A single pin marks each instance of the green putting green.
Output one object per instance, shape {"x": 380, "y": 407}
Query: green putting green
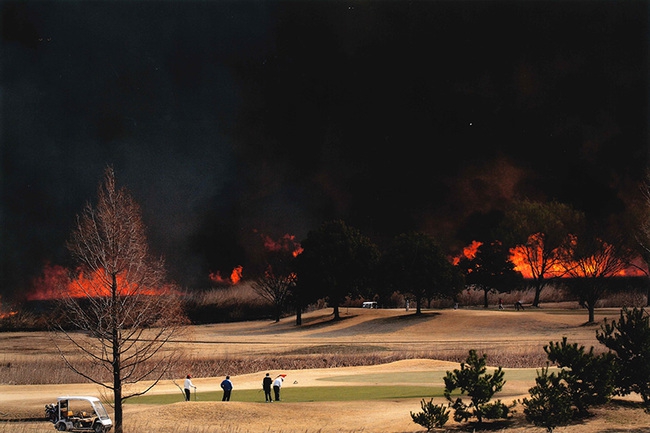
{"x": 423, "y": 377}
{"x": 303, "y": 394}
{"x": 411, "y": 377}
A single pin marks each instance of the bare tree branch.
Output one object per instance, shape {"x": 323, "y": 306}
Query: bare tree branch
{"x": 123, "y": 313}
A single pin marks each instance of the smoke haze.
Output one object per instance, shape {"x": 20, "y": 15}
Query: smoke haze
{"x": 228, "y": 119}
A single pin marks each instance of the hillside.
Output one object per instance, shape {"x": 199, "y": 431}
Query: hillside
{"x": 440, "y": 331}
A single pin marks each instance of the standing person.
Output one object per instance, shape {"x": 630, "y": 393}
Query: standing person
{"x": 188, "y": 385}
{"x": 500, "y": 304}
{"x": 226, "y": 385}
{"x": 277, "y": 384}
{"x": 519, "y": 305}
{"x": 266, "y": 386}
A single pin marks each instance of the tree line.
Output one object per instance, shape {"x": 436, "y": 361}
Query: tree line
{"x": 552, "y": 240}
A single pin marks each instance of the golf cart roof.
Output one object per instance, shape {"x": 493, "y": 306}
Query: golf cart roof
{"x": 77, "y": 397}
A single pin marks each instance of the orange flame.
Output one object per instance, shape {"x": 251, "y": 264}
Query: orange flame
{"x": 638, "y": 268}
{"x": 519, "y": 257}
{"x": 55, "y": 283}
{"x": 235, "y": 276}
{"x": 6, "y": 314}
{"x": 529, "y": 260}
{"x": 469, "y": 252}
{"x": 51, "y": 284}
{"x": 216, "y": 277}
{"x": 285, "y": 243}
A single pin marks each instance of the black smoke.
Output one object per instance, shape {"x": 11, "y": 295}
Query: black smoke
{"x": 230, "y": 119}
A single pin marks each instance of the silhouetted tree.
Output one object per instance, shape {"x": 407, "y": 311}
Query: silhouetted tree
{"x": 301, "y": 296}
{"x": 597, "y": 253}
{"x": 278, "y": 280}
{"x": 416, "y": 265}
{"x": 276, "y": 288}
{"x": 539, "y": 232}
{"x": 337, "y": 261}
{"x": 549, "y": 404}
{"x": 629, "y": 339}
{"x": 126, "y": 309}
{"x": 589, "y": 377}
{"x": 490, "y": 269}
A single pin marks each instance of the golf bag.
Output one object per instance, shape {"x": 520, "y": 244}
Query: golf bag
{"x": 51, "y": 413}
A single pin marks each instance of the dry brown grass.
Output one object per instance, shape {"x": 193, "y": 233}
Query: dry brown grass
{"x": 320, "y": 349}
{"x": 362, "y": 337}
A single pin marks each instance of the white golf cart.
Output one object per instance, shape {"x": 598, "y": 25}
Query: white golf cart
{"x": 79, "y": 414}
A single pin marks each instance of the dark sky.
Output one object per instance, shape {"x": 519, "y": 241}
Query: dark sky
{"x": 231, "y": 119}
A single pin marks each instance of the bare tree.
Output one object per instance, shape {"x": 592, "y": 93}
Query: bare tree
{"x": 126, "y": 310}
{"x": 591, "y": 262}
{"x": 275, "y": 288}
{"x": 540, "y": 232}
{"x": 278, "y": 281}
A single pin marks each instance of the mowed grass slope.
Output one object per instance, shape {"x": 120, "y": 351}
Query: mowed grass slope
{"x": 397, "y": 330}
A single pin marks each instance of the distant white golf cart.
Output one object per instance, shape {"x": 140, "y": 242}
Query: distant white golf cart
{"x": 78, "y": 414}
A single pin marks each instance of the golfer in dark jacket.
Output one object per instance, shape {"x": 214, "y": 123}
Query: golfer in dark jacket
{"x": 266, "y": 386}
{"x": 226, "y": 385}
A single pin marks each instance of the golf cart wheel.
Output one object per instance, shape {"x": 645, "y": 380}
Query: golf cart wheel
{"x": 60, "y": 426}
{"x": 98, "y": 428}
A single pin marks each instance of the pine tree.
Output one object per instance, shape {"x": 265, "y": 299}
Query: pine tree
{"x": 550, "y": 402}
{"x": 629, "y": 338}
{"x": 432, "y": 416}
{"x": 480, "y": 386}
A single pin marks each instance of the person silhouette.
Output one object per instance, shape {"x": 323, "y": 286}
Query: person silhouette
{"x": 226, "y": 385}
{"x": 266, "y": 386}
